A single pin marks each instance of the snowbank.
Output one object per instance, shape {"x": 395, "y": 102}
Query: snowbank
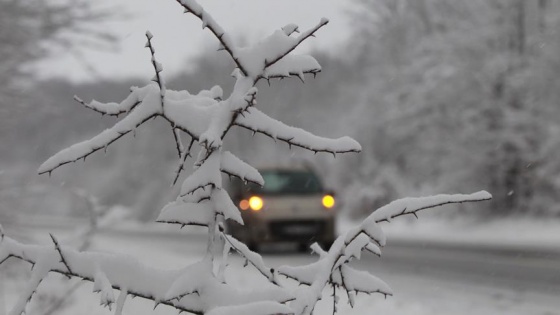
{"x": 526, "y": 234}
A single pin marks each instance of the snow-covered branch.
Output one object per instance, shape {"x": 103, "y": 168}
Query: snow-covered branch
{"x": 207, "y": 117}
{"x": 254, "y": 258}
{"x": 412, "y": 205}
{"x": 332, "y": 268}
{"x": 139, "y": 115}
{"x": 268, "y": 59}
{"x": 257, "y": 121}
{"x": 288, "y": 30}
{"x": 160, "y": 286}
{"x": 233, "y": 166}
{"x": 271, "y": 57}
{"x": 112, "y": 109}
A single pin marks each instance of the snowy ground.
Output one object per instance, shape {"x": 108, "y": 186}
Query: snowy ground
{"x": 521, "y": 233}
{"x": 419, "y": 290}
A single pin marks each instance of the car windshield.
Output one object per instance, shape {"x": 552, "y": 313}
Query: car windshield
{"x": 288, "y": 182}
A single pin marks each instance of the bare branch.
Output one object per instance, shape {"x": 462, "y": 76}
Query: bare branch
{"x": 178, "y": 143}
{"x": 158, "y": 68}
{"x": 59, "y": 250}
{"x": 193, "y": 7}
{"x": 58, "y": 303}
{"x": 37, "y": 275}
{"x": 334, "y": 296}
{"x": 182, "y": 224}
{"x": 181, "y": 167}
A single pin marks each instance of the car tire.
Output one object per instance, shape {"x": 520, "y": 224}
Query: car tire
{"x": 253, "y": 246}
{"x": 326, "y": 245}
{"x": 303, "y": 248}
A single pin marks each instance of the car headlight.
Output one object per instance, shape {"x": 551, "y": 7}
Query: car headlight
{"x": 328, "y": 201}
{"x": 256, "y": 203}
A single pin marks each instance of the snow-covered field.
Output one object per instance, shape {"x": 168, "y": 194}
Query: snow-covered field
{"x": 416, "y": 293}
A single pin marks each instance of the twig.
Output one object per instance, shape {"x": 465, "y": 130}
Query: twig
{"x": 157, "y": 66}
{"x": 300, "y": 39}
{"x": 184, "y": 157}
{"x": 178, "y": 143}
{"x": 62, "y": 260}
{"x": 218, "y": 32}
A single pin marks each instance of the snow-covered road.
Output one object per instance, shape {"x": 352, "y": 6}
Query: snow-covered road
{"x": 426, "y": 279}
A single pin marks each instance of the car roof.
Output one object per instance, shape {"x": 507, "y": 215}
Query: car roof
{"x": 288, "y": 166}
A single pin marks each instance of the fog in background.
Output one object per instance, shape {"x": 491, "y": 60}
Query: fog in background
{"x": 444, "y": 96}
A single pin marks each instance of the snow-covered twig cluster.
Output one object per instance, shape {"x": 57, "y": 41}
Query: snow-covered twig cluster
{"x": 206, "y": 117}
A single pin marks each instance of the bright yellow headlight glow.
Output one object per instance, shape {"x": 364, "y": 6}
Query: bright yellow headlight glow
{"x": 256, "y": 203}
{"x": 244, "y": 204}
{"x": 328, "y": 201}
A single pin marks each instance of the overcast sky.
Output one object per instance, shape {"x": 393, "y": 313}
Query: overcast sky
{"x": 178, "y": 36}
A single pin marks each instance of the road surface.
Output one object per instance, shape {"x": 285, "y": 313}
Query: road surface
{"x": 450, "y": 280}
{"x": 427, "y": 278}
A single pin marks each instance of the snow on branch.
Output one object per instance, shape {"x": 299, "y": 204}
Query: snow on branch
{"x": 139, "y": 280}
{"x": 252, "y": 257}
{"x": 233, "y": 166}
{"x": 274, "y": 50}
{"x": 412, "y": 205}
{"x": 187, "y": 213}
{"x": 293, "y": 65}
{"x": 267, "y": 59}
{"x": 332, "y": 267}
{"x": 207, "y": 175}
{"x": 200, "y": 212}
{"x": 257, "y": 121}
{"x": 113, "y": 109}
{"x": 191, "y": 114}
{"x": 287, "y": 49}
{"x": 149, "y": 108}
{"x": 207, "y": 117}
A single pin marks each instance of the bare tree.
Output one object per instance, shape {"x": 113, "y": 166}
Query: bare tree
{"x": 34, "y": 29}
{"x": 448, "y": 78}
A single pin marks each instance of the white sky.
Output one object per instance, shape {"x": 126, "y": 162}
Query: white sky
{"x": 178, "y": 36}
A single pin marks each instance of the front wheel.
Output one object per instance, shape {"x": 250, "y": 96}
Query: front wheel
{"x": 326, "y": 245}
{"x": 303, "y": 248}
{"x": 253, "y": 246}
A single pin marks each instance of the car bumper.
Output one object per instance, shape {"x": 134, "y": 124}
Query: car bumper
{"x": 304, "y": 231}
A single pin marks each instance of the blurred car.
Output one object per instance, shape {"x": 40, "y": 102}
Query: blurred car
{"x": 293, "y": 206}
